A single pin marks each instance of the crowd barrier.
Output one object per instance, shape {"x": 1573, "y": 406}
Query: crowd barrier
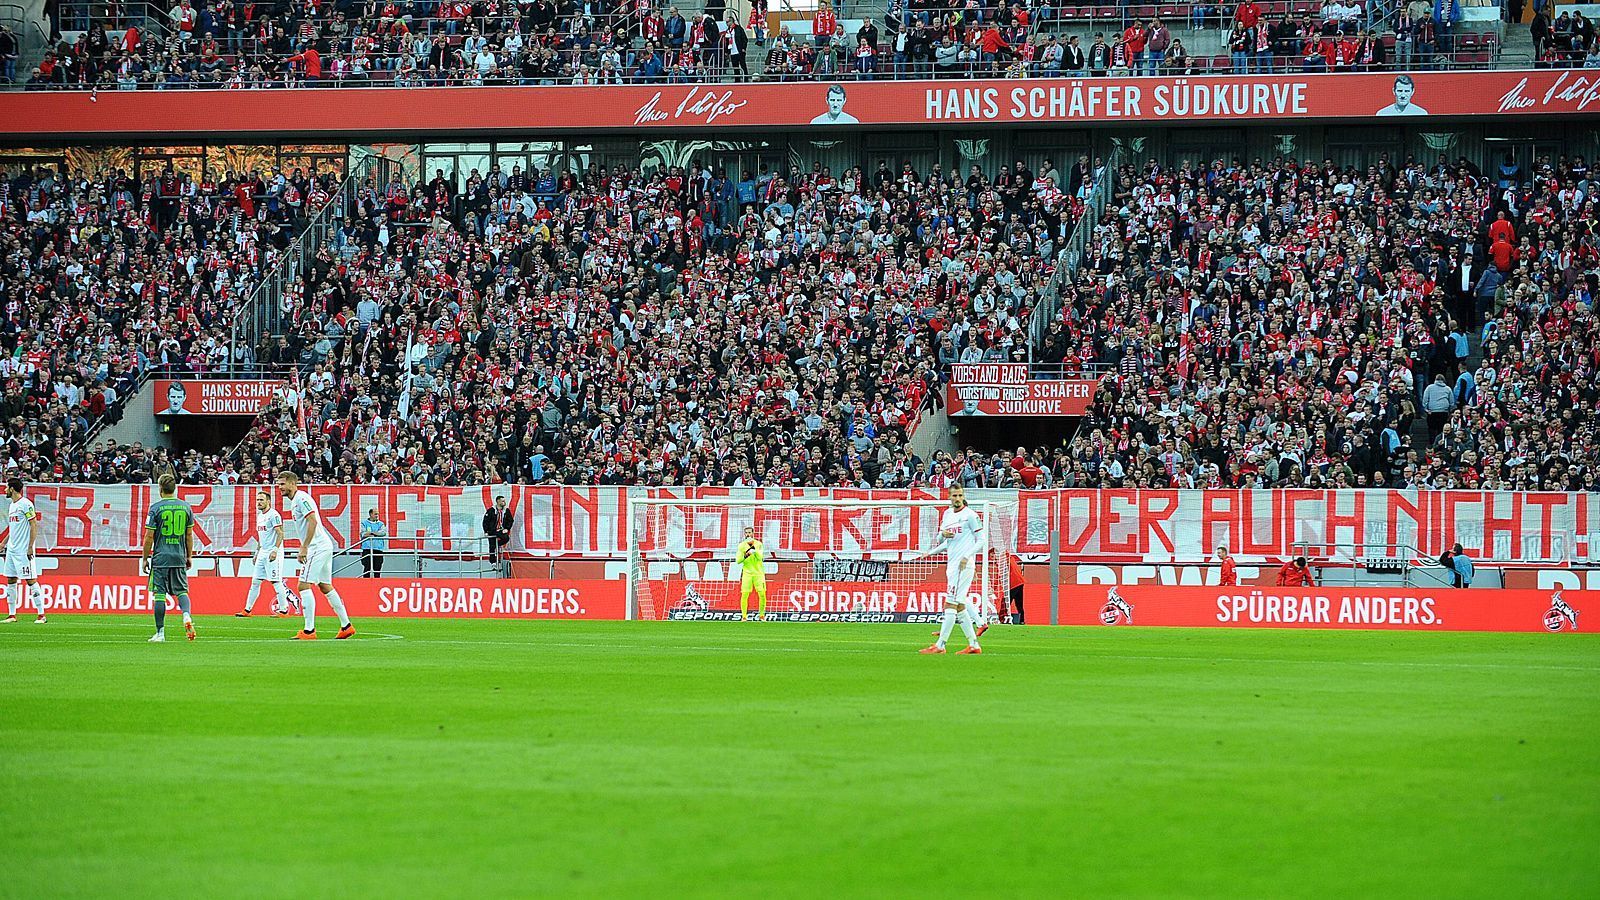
{"x": 1404, "y": 609}
{"x": 1410, "y": 609}
{"x": 477, "y": 598}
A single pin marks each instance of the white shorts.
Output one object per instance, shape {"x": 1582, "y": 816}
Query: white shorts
{"x": 269, "y": 569}
{"x": 318, "y": 568}
{"x": 22, "y": 568}
{"x": 959, "y": 585}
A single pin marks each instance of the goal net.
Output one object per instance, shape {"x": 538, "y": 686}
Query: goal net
{"x": 824, "y": 560}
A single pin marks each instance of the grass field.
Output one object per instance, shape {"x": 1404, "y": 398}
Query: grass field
{"x": 454, "y": 758}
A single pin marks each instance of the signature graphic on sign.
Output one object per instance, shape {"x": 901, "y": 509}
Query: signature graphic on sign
{"x": 706, "y": 107}
{"x": 1581, "y": 91}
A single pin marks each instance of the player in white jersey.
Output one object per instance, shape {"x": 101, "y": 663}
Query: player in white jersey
{"x": 269, "y": 560}
{"x": 316, "y": 559}
{"x": 961, "y": 536}
{"x": 22, "y": 539}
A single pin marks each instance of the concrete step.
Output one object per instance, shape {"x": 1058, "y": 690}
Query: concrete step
{"x": 1516, "y": 47}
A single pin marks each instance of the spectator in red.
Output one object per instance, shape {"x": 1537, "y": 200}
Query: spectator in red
{"x": 823, "y": 24}
{"x": 1295, "y": 573}
{"x": 1503, "y": 253}
{"x": 1135, "y": 37}
{"x": 1019, "y": 583}
{"x": 310, "y": 64}
{"x": 1247, "y": 14}
{"x": 1030, "y": 473}
{"x": 994, "y": 47}
{"x": 1501, "y": 229}
{"x": 1230, "y": 570}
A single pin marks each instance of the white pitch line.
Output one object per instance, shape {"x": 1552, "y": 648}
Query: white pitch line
{"x": 830, "y": 646}
{"x": 34, "y": 634}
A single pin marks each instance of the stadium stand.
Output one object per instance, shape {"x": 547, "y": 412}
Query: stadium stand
{"x": 1261, "y": 324}
{"x": 505, "y": 333}
{"x": 236, "y": 44}
{"x": 1302, "y": 325}
{"x": 107, "y": 280}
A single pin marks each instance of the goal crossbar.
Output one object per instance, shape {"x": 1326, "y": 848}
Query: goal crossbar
{"x": 706, "y": 575}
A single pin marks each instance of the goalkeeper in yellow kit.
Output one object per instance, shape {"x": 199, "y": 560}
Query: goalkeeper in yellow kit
{"x": 752, "y": 577}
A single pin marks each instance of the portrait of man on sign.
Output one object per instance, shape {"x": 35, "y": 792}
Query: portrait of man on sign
{"x": 836, "y": 114}
{"x": 1404, "y": 90}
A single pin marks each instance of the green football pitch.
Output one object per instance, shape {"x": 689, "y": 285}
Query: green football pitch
{"x": 453, "y": 758}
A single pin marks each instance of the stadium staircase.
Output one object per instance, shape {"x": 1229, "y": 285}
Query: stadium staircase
{"x": 261, "y": 316}
{"x": 26, "y": 19}
{"x": 1071, "y": 255}
{"x": 1516, "y": 48}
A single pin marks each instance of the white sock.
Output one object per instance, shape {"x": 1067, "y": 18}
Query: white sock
{"x": 14, "y": 598}
{"x": 281, "y": 591}
{"x": 250, "y": 598}
{"x": 308, "y": 605}
{"x": 945, "y": 624}
{"x": 38, "y": 598}
{"x": 335, "y": 601}
{"x": 965, "y": 618}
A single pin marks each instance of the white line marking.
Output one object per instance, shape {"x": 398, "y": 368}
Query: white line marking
{"x": 36, "y": 635}
{"x": 828, "y": 645}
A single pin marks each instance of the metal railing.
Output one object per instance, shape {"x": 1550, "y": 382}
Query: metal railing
{"x": 457, "y": 557}
{"x": 1071, "y": 255}
{"x": 1410, "y": 565}
{"x": 261, "y": 315}
{"x": 150, "y": 18}
{"x": 424, "y": 557}
{"x": 1062, "y": 370}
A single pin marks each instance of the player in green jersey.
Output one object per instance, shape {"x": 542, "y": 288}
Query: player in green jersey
{"x": 168, "y": 547}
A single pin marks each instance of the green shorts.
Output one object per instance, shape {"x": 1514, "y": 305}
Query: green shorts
{"x": 167, "y": 581}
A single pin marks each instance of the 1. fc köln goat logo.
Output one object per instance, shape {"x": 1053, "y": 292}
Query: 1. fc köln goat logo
{"x": 1117, "y": 610}
{"x": 1560, "y": 615}
{"x": 693, "y": 600}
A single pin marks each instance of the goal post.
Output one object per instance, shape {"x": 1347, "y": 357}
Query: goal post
{"x": 825, "y": 559}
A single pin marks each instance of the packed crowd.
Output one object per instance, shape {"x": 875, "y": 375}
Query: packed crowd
{"x": 238, "y": 44}
{"x": 1306, "y": 325}
{"x": 108, "y": 279}
{"x": 1260, "y": 324}
{"x": 685, "y": 326}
